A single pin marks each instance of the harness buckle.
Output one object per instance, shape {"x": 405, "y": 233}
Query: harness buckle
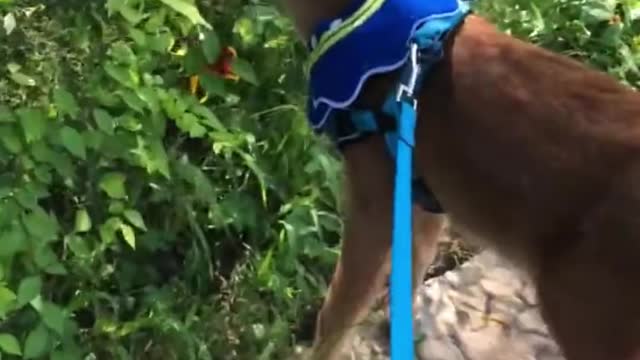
{"x": 409, "y": 78}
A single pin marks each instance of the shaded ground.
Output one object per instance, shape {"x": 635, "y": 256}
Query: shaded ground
{"x": 481, "y": 310}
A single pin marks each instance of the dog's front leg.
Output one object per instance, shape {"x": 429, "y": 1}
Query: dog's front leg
{"x": 362, "y": 269}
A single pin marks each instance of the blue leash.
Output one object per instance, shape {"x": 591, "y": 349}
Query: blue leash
{"x": 426, "y": 50}
{"x": 401, "y": 247}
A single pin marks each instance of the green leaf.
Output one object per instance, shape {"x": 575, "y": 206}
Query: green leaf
{"x": 26, "y": 197}
{"x": 122, "y": 53}
{"x": 161, "y": 42}
{"x": 65, "y": 102}
{"x": 128, "y": 234}
{"x": 194, "y": 61}
{"x": 189, "y": 10}
{"x": 149, "y": 96}
{"x": 130, "y": 14}
{"x": 123, "y": 75}
{"x": 597, "y": 13}
{"x": 74, "y": 142}
{"x": 108, "y": 229}
{"x": 116, "y": 207}
{"x": 22, "y": 79}
{"x": 26, "y": 162}
{"x": 9, "y": 344}
{"x": 245, "y": 71}
{"x": 154, "y": 158}
{"x": 138, "y": 36}
{"x": 208, "y": 117}
{"x": 191, "y": 124}
{"x": 7, "y": 300}
{"x": 130, "y": 123}
{"x": 41, "y": 151}
{"x": 212, "y": 85}
{"x": 246, "y": 30}
{"x": 34, "y": 123}
{"x": 28, "y": 290}
{"x": 36, "y": 303}
{"x": 104, "y": 97}
{"x": 132, "y": 100}
{"x": 41, "y": 225}
{"x": 6, "y": 115}
{"x": 59, "y": 160}
{"x": 77, "y": 245}
{"x": 9, "y": 210}
{"x": 13, "y": 67}
{"x": 114, "y": 6}
{"x": 94, "y": 139}
{"x": 53, "y": 316}
{"x": 135, "y": 218}
{"x": 13, "y": 241}
{"x": 82, "y": 221}
{"x": 194, "y": 175}
{"x": 211, "y": 46}
{"x": 10, "y": 139}
{"x": 48, "y": 261}
{"x": 113, "y": 184}
{"x": 5, "y": 192}
{"x": 156, "y": 21}
{"x": 104, "y": 120}
{"x": 43, "y": 174}
{"x": 37, "y": 342}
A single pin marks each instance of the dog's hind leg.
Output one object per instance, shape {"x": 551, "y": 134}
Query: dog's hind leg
{"x": 362, "y": 269}
{"x": 590, "y": 289}
{"x": 426, "y": 232}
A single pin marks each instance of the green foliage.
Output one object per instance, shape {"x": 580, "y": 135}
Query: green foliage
{"x": 602, "y": 33}
{"x": 137, "y": 222}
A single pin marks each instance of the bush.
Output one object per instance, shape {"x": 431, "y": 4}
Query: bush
{"x": 141, "y": 221}
{"x": 602, "y": 33}
{"x": 137, "y": 221}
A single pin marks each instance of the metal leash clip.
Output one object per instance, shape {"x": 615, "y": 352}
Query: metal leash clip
{"x": 409, "y": 78}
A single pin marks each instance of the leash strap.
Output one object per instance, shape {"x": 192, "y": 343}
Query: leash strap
{"x": 426, "y": 49}
{"x": 401, "y": 255}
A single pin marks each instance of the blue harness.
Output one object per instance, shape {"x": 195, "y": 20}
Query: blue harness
{"x": 375, "y": 37}
{"x": 382, "y": 43}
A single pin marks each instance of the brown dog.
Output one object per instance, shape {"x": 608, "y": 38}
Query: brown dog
{"x": 534, "y": 154}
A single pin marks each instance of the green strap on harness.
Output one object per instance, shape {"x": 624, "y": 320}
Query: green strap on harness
{"x": 336, "y": 34}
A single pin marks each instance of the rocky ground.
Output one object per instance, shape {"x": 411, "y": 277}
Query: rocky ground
{"x": 481, "y": 310}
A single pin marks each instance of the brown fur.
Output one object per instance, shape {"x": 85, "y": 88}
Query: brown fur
{"x": 531, "y": 153}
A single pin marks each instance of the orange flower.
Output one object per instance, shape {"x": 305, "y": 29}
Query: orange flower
{"x": 224, "y": 63}
{"x": 223, "y": 67}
